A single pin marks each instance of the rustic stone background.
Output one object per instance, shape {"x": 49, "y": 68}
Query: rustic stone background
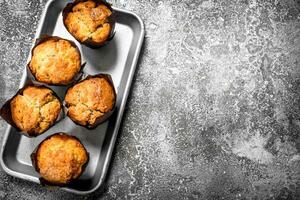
{"x": 214, "y": 110}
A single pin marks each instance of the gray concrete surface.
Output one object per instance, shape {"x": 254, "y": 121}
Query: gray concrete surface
{"x": 214, "y": 110}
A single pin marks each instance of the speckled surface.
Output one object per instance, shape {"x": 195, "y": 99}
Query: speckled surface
{"x": 214, "y": 110}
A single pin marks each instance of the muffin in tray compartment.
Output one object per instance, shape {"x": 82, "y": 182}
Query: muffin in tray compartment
{"x": 55, "y": 61}
{"x": 60, "y": 159}
{"x": 91, "y": 22}
{"x": 33, "y": 110}
{"x": 91, "y": 101}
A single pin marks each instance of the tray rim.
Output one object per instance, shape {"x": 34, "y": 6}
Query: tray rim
{"x": 119, "y": 115}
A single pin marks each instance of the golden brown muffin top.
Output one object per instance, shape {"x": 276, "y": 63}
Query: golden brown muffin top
{"x": 89, "y": 21}
{"x": 35, "y": 110}
{"x": 55, "y": 61}
{"x": 60, "y": 159}
{"x": 89, "y": 100}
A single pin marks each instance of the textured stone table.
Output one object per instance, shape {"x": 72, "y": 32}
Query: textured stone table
{"x": 214, "y": 110}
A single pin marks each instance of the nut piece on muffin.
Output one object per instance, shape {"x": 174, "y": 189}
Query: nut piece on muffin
{"x": 91, "y": 101}
{"x": 55, "y": 61}
{"x": 60, "y": 159}
{"x": 89, "y": 21}
{"x": 35, "y": 109}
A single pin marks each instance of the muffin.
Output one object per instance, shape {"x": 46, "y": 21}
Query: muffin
{"x": 60, "y": 159}
{"x": 91, "y": 101}
{"x": 55, "y": 61}
{"x": 34, "y": 109}
{"x": 91, "y": 22}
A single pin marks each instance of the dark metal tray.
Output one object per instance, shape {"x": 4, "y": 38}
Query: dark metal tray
{"x": 119, "y": 59}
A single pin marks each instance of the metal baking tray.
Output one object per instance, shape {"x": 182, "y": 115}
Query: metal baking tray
{"x": 119, "y": 59}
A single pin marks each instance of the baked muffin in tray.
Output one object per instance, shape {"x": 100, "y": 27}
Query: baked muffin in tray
{"x": 55, "y": 61}
{"x": 91, "y": 22}
{"x": 33, "y": 110}
{"x": 91, "y": 101}
{"x": 60, "y": 159}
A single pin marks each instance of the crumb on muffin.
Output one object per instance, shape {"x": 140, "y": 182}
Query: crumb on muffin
{"x": 55, "y": 61}
{"x": 60, "y": 158}
{"x": 89, "y": 100}
{"x": 35, "y": 110}
{"x": 89, "y": 20}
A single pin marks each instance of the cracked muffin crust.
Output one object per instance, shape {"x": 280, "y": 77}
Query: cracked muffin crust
{"x": 91, "y": 101}
{"x": 60, "y": 159}
{"x": 35, "y": 109}
{"x": 90, "y": 21}
{"x": 55, "y": 61}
